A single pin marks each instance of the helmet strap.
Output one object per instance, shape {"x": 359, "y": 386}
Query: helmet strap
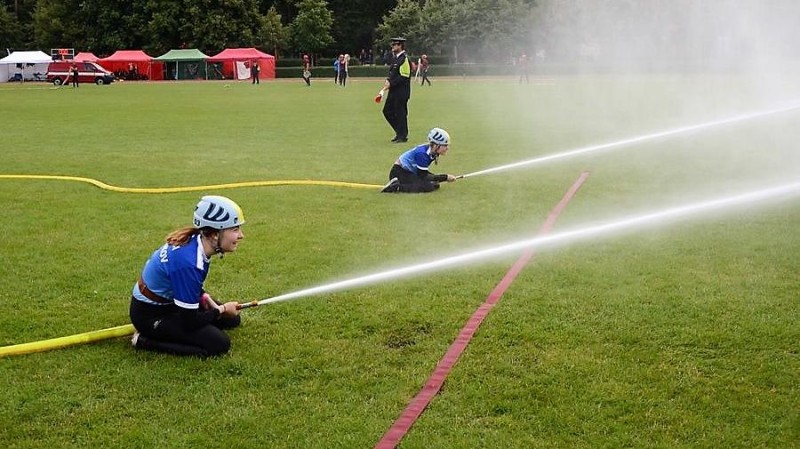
{"x": 434, "y": 154}
{"x": 218, "y": 244}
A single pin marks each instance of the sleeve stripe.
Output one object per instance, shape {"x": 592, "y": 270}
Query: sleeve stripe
{"x": 186, "y": 305}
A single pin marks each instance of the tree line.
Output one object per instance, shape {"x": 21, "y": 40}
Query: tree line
{"x": 286, "y": 28}
{"x": 657, "y": 33}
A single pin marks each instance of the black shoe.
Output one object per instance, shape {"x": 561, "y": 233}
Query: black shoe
{"x": 392, "y": 186}
{"x": 394, "y": 139}
{"x": 399, "y": 140}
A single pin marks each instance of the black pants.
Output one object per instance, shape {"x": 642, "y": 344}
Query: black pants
{"x": 425, "y": 78}
{"x": 411, "y": 183}
{"x": 396, "y": 112}
{"x": 343, "y": 78}
{"x": 163, "y": 332}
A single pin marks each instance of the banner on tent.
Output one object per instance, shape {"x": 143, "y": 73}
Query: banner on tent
{"x": 242, "y": 70}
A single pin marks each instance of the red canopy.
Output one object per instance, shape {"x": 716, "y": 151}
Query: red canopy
{"x": 230, "y": 56}
{"x": 85, "y": 57}
{"x": 126, "y": 61}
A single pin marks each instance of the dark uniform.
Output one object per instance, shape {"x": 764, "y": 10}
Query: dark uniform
{"x": 255, "y": 69}
{"x": 75, "y": 74}
{"x": 396, "y": 107}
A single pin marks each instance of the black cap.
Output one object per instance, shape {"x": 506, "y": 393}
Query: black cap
{"x": 399, "y": 40}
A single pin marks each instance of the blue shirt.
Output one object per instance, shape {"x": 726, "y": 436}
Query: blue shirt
{"x": 176, "y": 273}
{"x": 416, "y": 159}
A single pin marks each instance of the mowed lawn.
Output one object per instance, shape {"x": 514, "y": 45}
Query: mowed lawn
{"x": 681, "y": 333}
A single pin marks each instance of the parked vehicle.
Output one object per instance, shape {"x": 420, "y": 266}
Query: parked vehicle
{"x": 59, "y": 73}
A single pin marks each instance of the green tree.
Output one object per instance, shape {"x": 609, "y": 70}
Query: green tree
{"x": 355, "y": 22}
{"x": 9, "y": 31}
{"x": 102, "y": 26}
{"x": 273, "y": 34}
{"x": 466, "y": 29}
{"x": 311, "y": 29}
{"x": 405, "y": 20}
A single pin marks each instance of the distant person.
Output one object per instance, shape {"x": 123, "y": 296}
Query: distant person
{"x": 169, "y": 306}
{"x": 343, "y": 62}
{"x": 336, "y": 67}
{"x": 411, "y": 172}
{"x": 255, "y": 69}
{"x": 346, "y": 68}
{"x": 398, "y": 85}
{"x": 75, "y": 72}
{"x": 424, "y": 64}
{"x": 523, "y": 68}
{"x": 307, "y": 70}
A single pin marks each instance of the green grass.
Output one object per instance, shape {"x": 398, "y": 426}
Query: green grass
{"x": 682, "y": 334}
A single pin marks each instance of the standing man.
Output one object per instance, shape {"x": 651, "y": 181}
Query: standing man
{"x": 75, "y": 72}
{"x": 255, "y": 70}
{"x": 398, "y": 83}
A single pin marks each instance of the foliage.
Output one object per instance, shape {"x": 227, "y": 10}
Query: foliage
{"x": 8, "y": 30}
{"x": 468, "y": 29}
{"x": 274, "y": 35}
{"x": 405, "y": 20}
{"x": 311, "y": 29}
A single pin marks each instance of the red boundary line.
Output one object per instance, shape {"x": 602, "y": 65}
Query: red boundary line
{"x": 434, "y": 383}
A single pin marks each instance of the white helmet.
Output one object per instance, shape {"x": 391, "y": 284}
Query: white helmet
{"x": 217, "y": 212}
{"x": 439, "y": 136}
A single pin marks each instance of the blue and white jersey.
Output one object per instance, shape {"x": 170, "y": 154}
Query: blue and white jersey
{"x": 176, "y": 273}
{"x": 416, "y": 159}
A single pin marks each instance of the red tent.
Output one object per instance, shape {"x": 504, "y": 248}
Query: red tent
{"x": 85, "y": 57}
{"x": 125, "y": 62}
{"x": 236, "y": 62}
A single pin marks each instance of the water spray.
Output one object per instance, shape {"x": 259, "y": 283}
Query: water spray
{"x": 650, "y": 219}
{"x": 635, "y": 140}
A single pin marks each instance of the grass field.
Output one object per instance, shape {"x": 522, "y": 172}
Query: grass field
{"x": 678, "y": 334}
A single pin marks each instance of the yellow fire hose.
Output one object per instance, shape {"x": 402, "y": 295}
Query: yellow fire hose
{"x": 61, "y": 342}
{"x": 105, "y": 186}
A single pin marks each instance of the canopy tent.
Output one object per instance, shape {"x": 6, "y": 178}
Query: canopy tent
{"x": 133, "y": 65}
{"x": 85, "y": 57}
{"x": 24, "y": 65}
{"x": 235, "y": 63}
{"x": 186, "y": 64}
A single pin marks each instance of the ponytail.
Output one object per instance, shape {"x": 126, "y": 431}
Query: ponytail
{"x": 181, "y": 236}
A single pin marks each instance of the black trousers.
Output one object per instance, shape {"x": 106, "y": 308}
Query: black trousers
{"x": 163, "y": 332}
{"x": 396, "y": 112}
{"x": 411, "y": 183}
{"x": 425, "y": 78}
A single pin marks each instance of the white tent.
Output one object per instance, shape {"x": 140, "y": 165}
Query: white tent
{"x": 30, "y": 65}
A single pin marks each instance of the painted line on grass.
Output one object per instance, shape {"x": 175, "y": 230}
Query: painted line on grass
{"x": 104, "y": 186}
{"x": 434, "y": 383}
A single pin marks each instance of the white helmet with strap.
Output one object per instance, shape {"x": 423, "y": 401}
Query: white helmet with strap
{"x": 217, "y": 212}
{"x": 439, "y": 136}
